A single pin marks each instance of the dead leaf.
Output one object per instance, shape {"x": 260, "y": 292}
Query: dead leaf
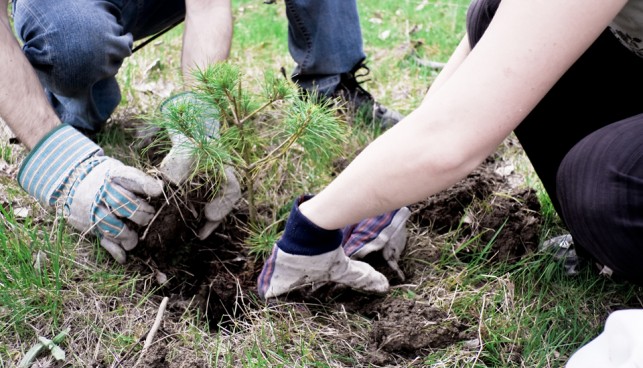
{"x": 22, "y": 212}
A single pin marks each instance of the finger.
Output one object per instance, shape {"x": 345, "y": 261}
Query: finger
{"x": 207, "y": 229}
{"x": 359, "y": 275}
{"x": 177, "y": 165}
{"x": 394, "y": 249}
{"x": 136, "y": 181}
{"x": 114, "y": 250}
{"x": 125, "y": 204}
{"x": 224, "y": 202}
{"x": 113, "y": 228}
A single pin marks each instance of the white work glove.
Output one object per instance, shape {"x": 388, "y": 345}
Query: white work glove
{"x": 222, "y": 204}
{"x": 620, "y": 345}
{"x": 386, "y": 233}
{"x": 307, "y": 255}
{"x": 93, "y": 192}
{"x": 177, "y": 166}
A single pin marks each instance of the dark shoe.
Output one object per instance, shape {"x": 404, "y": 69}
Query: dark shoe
{"x": 562, "y": 249}
{"x": 359, "y": 101}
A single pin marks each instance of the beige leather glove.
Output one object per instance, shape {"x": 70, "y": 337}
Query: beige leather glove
{"x": 178, "y": 165}
{"x": 307, "y": 255}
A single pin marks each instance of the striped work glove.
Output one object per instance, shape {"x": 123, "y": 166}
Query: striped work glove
{"x": 179, "y": 163}
{"x": 307, "y": 255}
{"x": 95, "y": 193}
{"x": 386, "y": 233}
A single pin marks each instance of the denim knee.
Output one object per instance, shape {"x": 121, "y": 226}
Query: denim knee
{"x": 72, "y": 44}
{"x": 479, "y": 16}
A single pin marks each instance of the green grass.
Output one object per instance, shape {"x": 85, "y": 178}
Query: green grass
{"x": 528, "y": 314}
{"x": 30, "y": 272}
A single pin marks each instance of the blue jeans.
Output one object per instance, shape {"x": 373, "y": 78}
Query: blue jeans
{"x": 78, "y": 46}
{"x": 325, "y": 40}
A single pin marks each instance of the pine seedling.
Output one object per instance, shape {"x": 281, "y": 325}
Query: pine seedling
{"x": 259, "y": 123}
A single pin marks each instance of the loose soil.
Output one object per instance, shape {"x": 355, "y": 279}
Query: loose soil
{"x": 218, "y": 276}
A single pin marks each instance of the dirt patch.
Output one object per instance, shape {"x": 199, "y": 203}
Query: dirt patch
{"x": 411, "y": 328}
{"x": 156, "y": 357}
{"x": 491, "y": 218}
{"x": 218, "y": 276}
{"x": 214, "y": 275}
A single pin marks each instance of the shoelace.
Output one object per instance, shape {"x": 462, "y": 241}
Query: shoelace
{"x": 354, "y": 80}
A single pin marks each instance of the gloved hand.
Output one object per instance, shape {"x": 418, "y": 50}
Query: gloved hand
{"x": 386, "y": 233}
{"x": 222, "y": 204}
{"x": 178, "y": 164}
{"x": 307, "y": 255}
{"x": 92, "y": 191}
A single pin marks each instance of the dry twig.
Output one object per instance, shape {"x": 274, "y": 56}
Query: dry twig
{"x": 153, "y": 330}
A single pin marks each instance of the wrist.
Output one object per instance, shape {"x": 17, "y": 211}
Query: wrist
{"x": 304, "y": 237}
{"x": 51, "y": 161}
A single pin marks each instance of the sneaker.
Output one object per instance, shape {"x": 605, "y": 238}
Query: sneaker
{"x": 562, "y": 249}
{"x": 359, "y": 102}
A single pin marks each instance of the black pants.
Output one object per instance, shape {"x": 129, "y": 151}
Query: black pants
{"x": 585, "y": 142}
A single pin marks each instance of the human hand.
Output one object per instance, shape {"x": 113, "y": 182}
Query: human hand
{"x": 179, "y": 163}
{"x": 386, "y": 233}
{"x": 222, "y": 204}
{"x": 177, "y": 166}
{"x": 93, "y": 192}
{"x": 307, "y": 255}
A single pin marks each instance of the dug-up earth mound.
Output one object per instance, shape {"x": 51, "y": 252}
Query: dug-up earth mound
{"x": 483, "y": 212}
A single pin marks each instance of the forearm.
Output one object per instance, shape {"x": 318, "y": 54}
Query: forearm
{"x": 23, "y": 105}
{"x": 458, "y": 56}
{"x": 521, "y": 56}
{"x": 418, "y": 157}
{"x": 207, "y": 36}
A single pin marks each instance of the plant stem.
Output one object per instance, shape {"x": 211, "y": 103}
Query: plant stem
{"x": 256, "y": 111}
{"x": 234, "y": 109}
{"x": 252, "y": 207}
{"x": 282, "y": 148}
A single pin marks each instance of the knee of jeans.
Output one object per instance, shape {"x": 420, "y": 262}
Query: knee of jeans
{"x": 479, "y": 16}
{"x": 71, "y": 50}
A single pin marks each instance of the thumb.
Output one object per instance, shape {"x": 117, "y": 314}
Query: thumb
{"x": 136, "y": 181}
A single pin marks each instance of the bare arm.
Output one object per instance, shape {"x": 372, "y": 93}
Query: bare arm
{"x": 458, "y": 56}
{"x": 525, "y": 50}
{"x": 207, "y": 36}
{"x": 23, "y": 105}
